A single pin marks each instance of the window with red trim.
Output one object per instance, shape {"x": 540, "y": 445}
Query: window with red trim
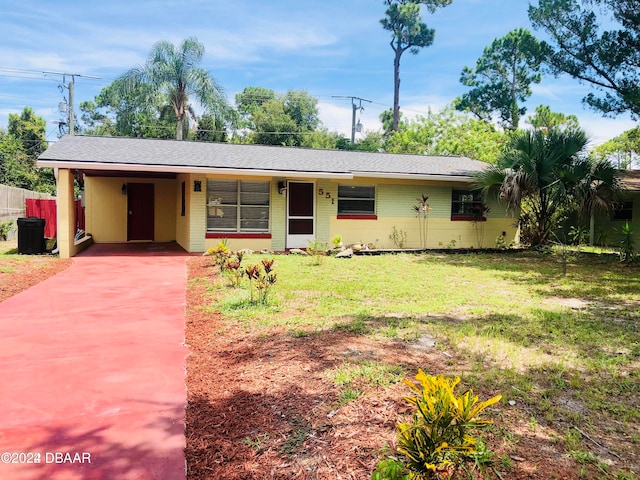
{"x": 356, "y": 200}
{"x": 467, "y": 205}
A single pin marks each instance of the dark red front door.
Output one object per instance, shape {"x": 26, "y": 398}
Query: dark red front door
{"x": 140, "y": 211}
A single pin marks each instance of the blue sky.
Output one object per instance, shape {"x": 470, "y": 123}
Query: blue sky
{"x": 328, "y": 48}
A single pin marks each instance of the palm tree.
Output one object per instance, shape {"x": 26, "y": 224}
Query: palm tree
{"x": 175, "y": 75}
{"x": 544, "y": 175}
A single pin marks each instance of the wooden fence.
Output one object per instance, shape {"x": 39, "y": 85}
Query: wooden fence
{"x": 12, "y": 204}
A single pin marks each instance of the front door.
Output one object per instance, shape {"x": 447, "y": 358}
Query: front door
{"x": 300, "y": 214}
{"x": 140, "y": 224}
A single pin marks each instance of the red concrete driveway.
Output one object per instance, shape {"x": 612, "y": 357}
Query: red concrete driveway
{"x": 92, "y": 370}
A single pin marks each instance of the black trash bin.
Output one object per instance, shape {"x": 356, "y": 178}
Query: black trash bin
{"x": 31, "y": 235}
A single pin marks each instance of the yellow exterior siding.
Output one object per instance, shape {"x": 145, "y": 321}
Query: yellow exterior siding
{"x": 394, "y": 207}
{"x": 278, "y": 217}
{"x": 66, "y": 213}
{"x": 198, "y": 213}
{"x": 106, "y": 208}
{"x": 183, "y": 233}
{"x": 106, "y": 214}
{"x": 256, "y": 244}
{"x": 440, "y": 232}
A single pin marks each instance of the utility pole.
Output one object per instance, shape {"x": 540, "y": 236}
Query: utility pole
{"x": 70, "y": 86}
{"x": 353, "y": 113}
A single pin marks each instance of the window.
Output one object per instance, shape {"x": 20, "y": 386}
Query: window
{"x": 624, "y": 211}
{"x": 356, "y": 200}
{"x": 237, "y": 206}
{"x": 183, "y": 197}
{"x": 467, "y": 205}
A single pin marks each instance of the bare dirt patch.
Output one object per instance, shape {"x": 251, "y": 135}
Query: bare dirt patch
{"x": 19, "y": 273}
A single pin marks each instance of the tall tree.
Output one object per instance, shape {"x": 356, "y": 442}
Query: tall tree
{"x": 623, "y": 150}
{"x": 502, "y": 78}
{"x": 597, "y": 42}
{"x": 210, "y": 129}
{"x": 546, "y": 119}
{"x": 277, "y": 119}
{"x": 403, "y": 18}
{"x": 448, "y": 133}
{"x": 174, "y": 74}
{"x": 20, "y": 146}
{"x": 545, "y": 176}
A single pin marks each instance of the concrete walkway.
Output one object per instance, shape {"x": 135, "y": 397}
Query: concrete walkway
{"x": 92, "y": 369}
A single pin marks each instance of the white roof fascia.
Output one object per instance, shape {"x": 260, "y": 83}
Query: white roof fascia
{"x": 415, "y": 176}
{"x": 181, "y": 169}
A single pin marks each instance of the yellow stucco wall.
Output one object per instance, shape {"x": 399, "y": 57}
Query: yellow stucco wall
{"x": 183, "y": 236}
{"x": 106, "y": 208}
{"x": 440, "y": 232}
{"x": 66, "y": 213}
{"x": 394, "y": 207}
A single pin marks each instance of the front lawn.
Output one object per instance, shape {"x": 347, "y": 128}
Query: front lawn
{"x": 309, "y": 385}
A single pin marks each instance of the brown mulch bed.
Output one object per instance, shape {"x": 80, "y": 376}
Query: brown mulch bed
{"x": 262, "y": 405}
{"x": 18, "y": 274}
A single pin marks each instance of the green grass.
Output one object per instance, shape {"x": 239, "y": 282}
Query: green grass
{"x": 567, "y": 346}
{"x": 372, "y": 373}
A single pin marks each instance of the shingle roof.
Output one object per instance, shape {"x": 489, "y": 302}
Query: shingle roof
{"x": 167, "y": 154}
{"x": 630, "y": 179}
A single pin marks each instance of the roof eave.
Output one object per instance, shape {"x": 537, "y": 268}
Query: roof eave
{"x": 184, "y": 169}
{"x": 415, "y": 176}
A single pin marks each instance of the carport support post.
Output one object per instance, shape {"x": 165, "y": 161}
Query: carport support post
{"x": 66, "y": 213}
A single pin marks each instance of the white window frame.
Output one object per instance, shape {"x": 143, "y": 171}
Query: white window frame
{"x": 218, "y": 206}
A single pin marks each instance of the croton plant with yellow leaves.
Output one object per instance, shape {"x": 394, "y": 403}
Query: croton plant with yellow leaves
{"x": 438, "y": 438}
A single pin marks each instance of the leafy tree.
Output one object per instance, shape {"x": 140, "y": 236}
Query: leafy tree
{"x": 126, "y": 111}
{"x": 252, "y": 98}
{"x": 623, "y": 150}
{"x": 20, "y": 146}
{"x": 210, "y": 129}
{"x": 403, "y": 19}
{"x": 501, "y": 80}
{"x": 448, "y": 133}
{"x": 372, "y": 142}
{"x": 598, "y": 42}
{"x": 322, "y": 138}
{"x": 30, "y": 130}
{"x": 95, "y": 122}
{"x": 546, "y": 119}
{"x": 173, "y": 74}
{"x": 302, "y": 108}
{"x": 278, "y": 119}
{"x": 546, "y": 176}
{"x": 17, "y": 168}
{"x": 273, "y": 126}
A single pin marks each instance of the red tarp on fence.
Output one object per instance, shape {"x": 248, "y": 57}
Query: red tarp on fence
{"x": 47, "y": 209}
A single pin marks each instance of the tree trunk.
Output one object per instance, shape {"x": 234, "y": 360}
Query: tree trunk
{"x": 396, "y": 89}
{"x": 179, "y": 129}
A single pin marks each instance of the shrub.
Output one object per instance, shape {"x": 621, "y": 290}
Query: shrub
{"x": 398, "y": 237}
{"x": 5, "y": 229}
{"x": 627, "y": 244}
{"x": 317, "y": 250}
{"x": 220, "y": 253}
{"x": 438, "y": 438}
{"x": 261, "y": 277}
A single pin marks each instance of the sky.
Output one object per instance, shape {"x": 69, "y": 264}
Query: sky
{"x": 329, "y": 48}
